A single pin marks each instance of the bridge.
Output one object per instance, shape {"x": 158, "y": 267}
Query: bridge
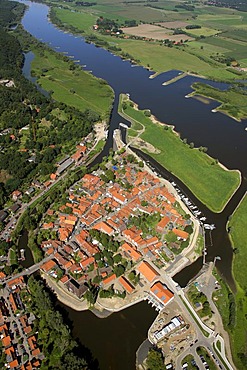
{"x": 28, "y": 271}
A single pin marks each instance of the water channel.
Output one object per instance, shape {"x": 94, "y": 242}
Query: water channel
{"x": 225, "y": 139}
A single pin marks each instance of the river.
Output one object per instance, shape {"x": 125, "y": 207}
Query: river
{"x": 225, "y": 139}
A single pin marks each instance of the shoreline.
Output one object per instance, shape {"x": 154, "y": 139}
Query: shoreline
{"x": 217, "y": 109}
{"x": 105, "y": 308}
{"x": 162, "y": 124}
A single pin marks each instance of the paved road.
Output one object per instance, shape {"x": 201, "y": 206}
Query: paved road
{"x": 206, "y": 342}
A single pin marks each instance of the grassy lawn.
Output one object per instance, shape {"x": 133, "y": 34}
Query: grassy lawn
{"x": 73, "y": 87}
{"x": 206, "y": 179}
{"x": 233, "y": 102}
{"x": 238, "y": 234}
{"x": 187, "y": 360}
{"x": 13, "y": 257}
{"x": 199, "y": 245}
{"x": 221, "y": 300}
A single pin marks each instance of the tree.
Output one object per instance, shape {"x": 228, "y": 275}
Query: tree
{"x": 155, "y": 360}
{"x": 119, "y": 270}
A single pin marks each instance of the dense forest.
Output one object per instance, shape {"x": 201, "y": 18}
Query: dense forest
{"x": 234, "y": 4}
{"x": 49, "y": 125}
{"x": 54, "y": 336}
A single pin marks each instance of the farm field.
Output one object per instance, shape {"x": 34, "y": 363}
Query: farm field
{"x": 203, "y": 31}
{"x": 238, "y": 234}
{"x": 155, "y": 32}
{"x": 210, "y": 183}
{"x": 197, "y": 56}
{"x": 71, "y": 86}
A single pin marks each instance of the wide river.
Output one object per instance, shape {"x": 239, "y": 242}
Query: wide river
{"x": 114, "y": 340}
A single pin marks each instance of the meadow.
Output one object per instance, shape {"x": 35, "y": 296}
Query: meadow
{"x": 71, "y": 85}
{"x": 238, "y": 235}
{"x": 194, "y": 56}
{"x": 210, "y": 183}
{"x": 234, "y": 103}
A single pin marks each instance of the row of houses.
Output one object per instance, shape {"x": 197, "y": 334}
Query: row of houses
{"x": 107, "y": 207}
{"x": 19, "y": 343}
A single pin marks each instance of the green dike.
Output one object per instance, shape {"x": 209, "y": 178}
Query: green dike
{"x": 211, "y": 183}
{"x": 70, "y": 84}
{"x": 234, "y": 103}
{"x": 238, "y": 235}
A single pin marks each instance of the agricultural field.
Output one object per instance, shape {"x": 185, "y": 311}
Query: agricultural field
{"x": 203, "y": 31}
{"x": 71, "y": 85}
{"x": 210, "y": 183}
{"x": 155, "y": 32}
{"x": 207, "y": 50}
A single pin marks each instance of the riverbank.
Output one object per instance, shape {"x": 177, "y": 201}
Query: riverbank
{"x": 69, "y": 84}
{"x": 237, "y": 227}
{"x": 155, "y": 58}
{"x": 190, "y": 165}
{"x": 233, "y": 102}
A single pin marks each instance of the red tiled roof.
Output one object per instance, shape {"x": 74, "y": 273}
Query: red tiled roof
{"x": 126, "y": 284}
{"x": 180, "y": 233}
{"x": 161, "y": 292}
{"x": 109, "y": 279}
{"x": 148, "y": 271}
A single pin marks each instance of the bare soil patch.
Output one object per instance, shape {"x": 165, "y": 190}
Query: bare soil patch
{"x": 173, "y": 25}
{"x": 150, "y": 31}
{"x": 143, "y": 145}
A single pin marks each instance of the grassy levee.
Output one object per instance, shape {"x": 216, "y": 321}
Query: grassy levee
{"x": 70, "y": 85}
{"x": 234, "y": 103}
{"x": 211, "y": 183}
{"x": 238, "y": 235}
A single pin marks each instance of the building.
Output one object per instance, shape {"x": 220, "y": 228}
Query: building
{"x": 147, "y": 271}
{"x": 126, "y": 284}
{"x": 175, "y": 323}
{"x": 68, "y": 162}
{"x": 79, "y": 289}
{"x": 161, "y": 293}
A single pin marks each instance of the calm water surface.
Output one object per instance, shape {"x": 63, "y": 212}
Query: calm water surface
{"x": 115, "y": 339}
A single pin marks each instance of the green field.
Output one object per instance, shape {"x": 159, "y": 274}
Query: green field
{"x": 206, "y": 179}
{"x": 193, "y": 57}
{"x": 71, "y": 85}
{"x": 81, "y": 21}
{"x": 234, "y": 103}
{"x": 238, "y": 234}
{"x": 204, "y": 31}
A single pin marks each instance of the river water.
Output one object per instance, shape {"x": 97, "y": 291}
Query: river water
{"x": 225, "y": 138}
